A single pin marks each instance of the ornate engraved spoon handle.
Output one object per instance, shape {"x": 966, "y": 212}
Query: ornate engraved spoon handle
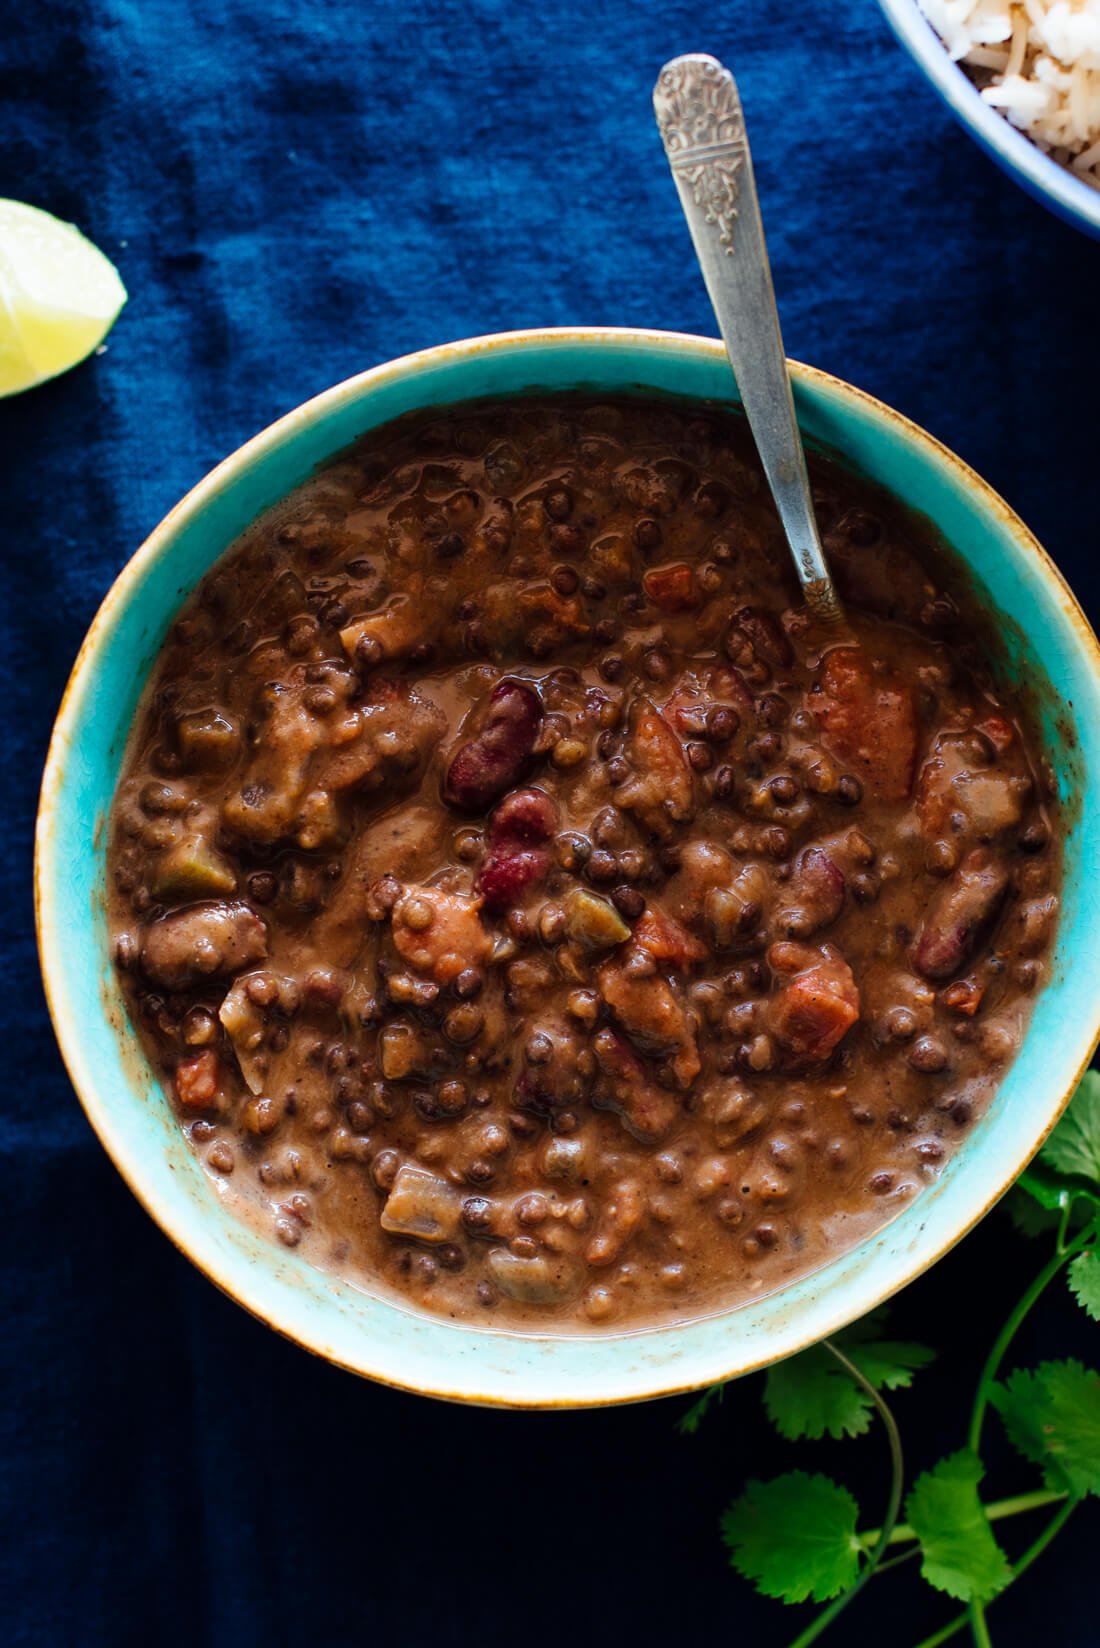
{"x": 703, "y": 130}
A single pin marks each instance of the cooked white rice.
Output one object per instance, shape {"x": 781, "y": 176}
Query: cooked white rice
{"x": 1043, "y": 57}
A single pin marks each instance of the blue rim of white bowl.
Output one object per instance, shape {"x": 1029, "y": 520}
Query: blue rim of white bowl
{"x": 1045, "y": 179}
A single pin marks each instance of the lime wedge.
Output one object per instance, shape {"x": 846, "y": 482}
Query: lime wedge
{"x": 59, "y": 296}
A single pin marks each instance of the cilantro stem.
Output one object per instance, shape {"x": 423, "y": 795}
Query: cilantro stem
{"x": 1034, "y": 1550}
{"x": 945, "y": 1633}
{"x": 995, "y": 1511}
{"x": 979, "y": 1628}
{"x": 896, "y": 1561}
{"x": 1063, "y": 1252}
{"x": 1011, "y": 1328}
{"x": 897, "y": 1477}
{"x": 1039, "y": 1545}
{"x": 1018, "y": 1503}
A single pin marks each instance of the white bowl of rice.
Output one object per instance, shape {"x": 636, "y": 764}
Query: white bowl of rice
{"x": 1023, "y": 76}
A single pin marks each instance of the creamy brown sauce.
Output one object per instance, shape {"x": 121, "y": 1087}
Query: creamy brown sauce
{"x": 531, "y": 915}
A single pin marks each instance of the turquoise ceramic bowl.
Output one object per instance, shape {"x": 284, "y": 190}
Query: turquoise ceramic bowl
{"x": 1068, "y": 196}
{"x": 1049, "y": 644}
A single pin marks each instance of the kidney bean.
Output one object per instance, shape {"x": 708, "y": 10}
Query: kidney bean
{"x": 525, "y": 818}
{"x": 486, "y": 766}
{"x": 520, "y": 826}
{"x": 817, "y": 888}
{"x": 647, "y": 1111}
{"x": 961, "y": 913}
{"x": 202, "y": 941}
{"x": 506, "y": 878}
{"x": 818, "y": 877}
{"x": 756, "y": 641}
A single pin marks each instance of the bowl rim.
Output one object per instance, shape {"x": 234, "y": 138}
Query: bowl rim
{"x": 1056, "y": 185}
{"x": 48, "y": 887}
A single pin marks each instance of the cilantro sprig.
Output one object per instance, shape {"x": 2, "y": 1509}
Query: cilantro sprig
{"x": 798, "y": 1538}
{"x": 817, "y": 1553}
{"x": 812, "y": 1395}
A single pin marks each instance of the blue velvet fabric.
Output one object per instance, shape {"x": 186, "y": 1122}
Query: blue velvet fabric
{"x": 293, "y": 192}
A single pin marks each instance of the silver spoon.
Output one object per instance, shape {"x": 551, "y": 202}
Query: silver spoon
{"x": 702, "y": 127}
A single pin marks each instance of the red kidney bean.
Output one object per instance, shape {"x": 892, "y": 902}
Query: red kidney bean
{"x": 817, "y": 892}
{"x": 525, "y": 818}
{"x": 646, "y": 1110}
{"x": 531, "y": 1094}
{"x": 486, "y": 766}
{"x": 765, "y": 639}
{"x": 518, "y": 860}
{"x": 506, "y": 878}
{"x": 207, "y": 940}
{"x": 961, "y": 912}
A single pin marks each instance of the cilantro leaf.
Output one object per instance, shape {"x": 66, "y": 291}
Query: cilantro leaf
{"x": 1084, "y": 1281}
{"x": 689, "y": 1422}
{"x": 1050, "y": 1189}
{"x": 1053, "y": 1417}
{"x": 1074, "y": 1146}
{"x": 810, "y": 1395}
{"x": 794, "y": 1537}
{"x": 1026, "y": 1210}
{"x": 889, "y": 1363}
{"x": 959, "y": 1554}
{"x": 1038, "y": 1198}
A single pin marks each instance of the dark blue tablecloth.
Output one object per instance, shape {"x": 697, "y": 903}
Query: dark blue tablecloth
{"x": 294, "y": 191}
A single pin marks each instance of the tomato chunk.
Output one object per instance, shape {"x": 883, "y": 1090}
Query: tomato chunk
{"x": 1001, "y": 733}
{"x": 198, "y": 1078}
{"x": 661, "y": 791}
{"x": 869, "y": 721}
{"x": 664, "y": 939}
{"x": 654, "y": 1017}
{"x": 819, "y": 1004}
{"x": 672, "y": 588}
